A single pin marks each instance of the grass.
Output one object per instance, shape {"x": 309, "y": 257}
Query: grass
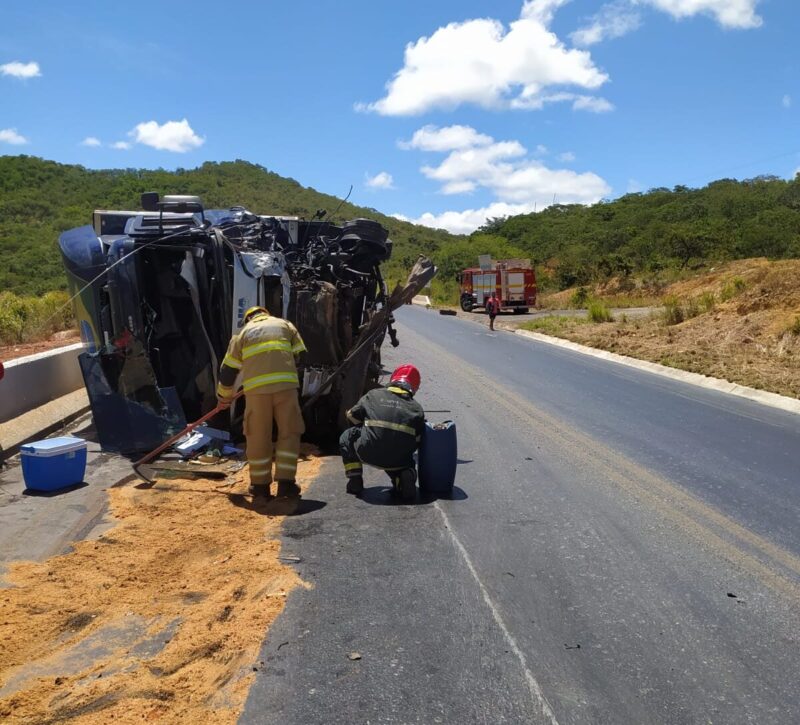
{"x": 598, "y": 312}
{"x": 556, "y": 325}
{"x": 731, "y": 288}
{"x": 794, "y": 328}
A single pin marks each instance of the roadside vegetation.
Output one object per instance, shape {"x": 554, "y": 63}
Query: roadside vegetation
{"x": 738, "y": 321}
{"x": 25, "y": 319}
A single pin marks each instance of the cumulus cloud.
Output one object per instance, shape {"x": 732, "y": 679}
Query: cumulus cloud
{"x": 15, "y": 69}
{"x": 520, "y": 182}
{"x": 449, "y": 138}
{"x": 91, "y": 141}
{"x": 620, "y": 17}
{"x": 482, "y": 62}
{"x": 612, "y": 21}
{"x": 382, "y": 180}
{"x": 786, "y": 101}
{"x": 176, "y": 136}
{"x": 566, "y": 157}
{"x": 121, "y": 145}
{"x": 10, "y": 136}
{"x": 728, "y": 13}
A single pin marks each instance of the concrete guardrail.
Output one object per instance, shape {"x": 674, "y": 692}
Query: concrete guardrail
{"x": 34, "y": 380}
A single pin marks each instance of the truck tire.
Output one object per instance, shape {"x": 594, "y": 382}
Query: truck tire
{"x": 520, "y": 310}
{"x": 466, "y": 304}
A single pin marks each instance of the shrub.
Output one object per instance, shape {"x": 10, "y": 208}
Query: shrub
{"x": 707, "y": 302}
{"x": 598, "y": 312}
{"x": 794, "y": 328}
{"x": 691, "y": 309}
{"x": 30, "y": 319}
{"x": 579, "y": 297}
{"x": 731, "y": 288}
{"x": 673, "y": 312}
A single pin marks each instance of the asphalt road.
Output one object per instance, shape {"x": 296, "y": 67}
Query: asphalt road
{"x": 622, "y": 548}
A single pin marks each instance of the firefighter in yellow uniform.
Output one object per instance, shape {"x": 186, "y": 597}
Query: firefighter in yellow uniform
{"x": 264, "y": 351}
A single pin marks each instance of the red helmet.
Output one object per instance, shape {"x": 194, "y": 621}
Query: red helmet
{"x": 407, "y": 374}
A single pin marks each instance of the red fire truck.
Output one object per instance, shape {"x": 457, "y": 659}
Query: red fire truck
{"x": 514, "y": 280}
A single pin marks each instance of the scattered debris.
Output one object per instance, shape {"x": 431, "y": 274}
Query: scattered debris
{"x": 354, "y": 656}
{"x": 575, "y": 646}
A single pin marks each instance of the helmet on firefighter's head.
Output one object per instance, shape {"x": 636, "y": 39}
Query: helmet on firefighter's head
{"x": 252, "y": 312}
{"x": 407, "y": 376}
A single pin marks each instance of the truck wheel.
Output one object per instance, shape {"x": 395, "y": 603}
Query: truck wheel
{"x": 520, "y": 310}
{"x": 466, "y": 304}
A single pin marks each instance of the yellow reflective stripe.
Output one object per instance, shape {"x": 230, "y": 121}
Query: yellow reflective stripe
{"x": 352, "y": 418}
{"x": 391, "y": 426}
{"x": 399, "y": 391}
{"x": 352, "y": 466}
{"x": 286, "y": 466}
{"x": 270, "y": 379}
{"x": 267, "y": 346}
{"x": 260, "y": 461}
{"x": 299, "y": 347}
{"x": 259, "y": 469}
{"x": 286, "y": 454}
{"x": 223, "y": 391}
{"x": 232, "y": 362}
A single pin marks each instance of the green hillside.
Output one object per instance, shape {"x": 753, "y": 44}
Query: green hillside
{"x": 637, "y": 234}
{"x": 39, "y": 199}
{"x": 662, "y": 229}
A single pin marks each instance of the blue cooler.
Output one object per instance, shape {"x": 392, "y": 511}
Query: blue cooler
{"x": 53, "y": 463}
{"x": 438, "y": 457}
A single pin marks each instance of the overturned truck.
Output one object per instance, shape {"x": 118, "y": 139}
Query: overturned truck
{"x": 159, "y": 292}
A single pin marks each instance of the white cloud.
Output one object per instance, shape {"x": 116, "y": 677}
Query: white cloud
{"x": 728, "y": 13}
{"x": 520, "y": 182}
{"x": 10, "y": 135}
{"x": 567, "y": 157}
{"x": 382, "y": 180}
{"x": 176, "y": 136}
{"x": 449, "y": 138}
{"x": 786, "y": 101}
{"x": 483, "y": 63}
{"x": 91, "y": 141}
{"x": 595, "y": 104}
{"x": 467, "y": 221}
{"x": 580, "y": 102}
{"x": 15, "y": 69}
{"x": 541, "y": 149}
{"x": 612, "y": 21}
{"x": 121, "y": 145}
{"x": 634, "y": 186}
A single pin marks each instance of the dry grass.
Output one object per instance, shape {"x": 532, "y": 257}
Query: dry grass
{"x": 735, "y": 322}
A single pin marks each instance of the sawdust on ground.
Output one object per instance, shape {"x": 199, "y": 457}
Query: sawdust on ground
{"x": 160, "y": 619}
{"x": 749, "y": 337}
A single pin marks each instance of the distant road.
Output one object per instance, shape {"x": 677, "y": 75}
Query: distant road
{"x": 626, "y": 549}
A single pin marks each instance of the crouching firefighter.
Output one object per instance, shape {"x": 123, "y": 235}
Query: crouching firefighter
{"x": 264, "y": 351}
{"x": 387, "y": 428}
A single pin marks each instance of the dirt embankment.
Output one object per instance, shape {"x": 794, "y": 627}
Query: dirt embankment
{"x": 160, "y": 619}
{"x": 59, "y": 339}
{"x": 739, "y": 322}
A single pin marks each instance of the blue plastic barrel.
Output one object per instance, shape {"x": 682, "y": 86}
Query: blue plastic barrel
{"x": 438, "y": 456}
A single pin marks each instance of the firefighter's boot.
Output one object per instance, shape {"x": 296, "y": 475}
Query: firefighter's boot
{"x": 405, "y": 484}
{"x": 260, "y": 491}
{"x": 288, "y": 489}
{"x": 355, "y": 485}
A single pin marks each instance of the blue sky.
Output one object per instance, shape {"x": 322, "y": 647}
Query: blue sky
{"x": 442, "y": 112}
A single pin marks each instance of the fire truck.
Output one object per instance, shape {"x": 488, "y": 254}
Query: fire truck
{"x": 514, "y": 281}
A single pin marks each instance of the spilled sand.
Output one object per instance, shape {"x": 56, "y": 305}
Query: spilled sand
{"x": 160, "y": 619}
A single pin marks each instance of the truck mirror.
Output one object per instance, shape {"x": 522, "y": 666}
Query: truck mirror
{"x": 150, "y": 201}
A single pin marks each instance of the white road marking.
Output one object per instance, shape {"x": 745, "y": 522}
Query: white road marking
{"x": 536, "y": 691}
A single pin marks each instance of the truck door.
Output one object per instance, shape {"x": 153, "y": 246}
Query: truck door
{"x": 516, "y": 287}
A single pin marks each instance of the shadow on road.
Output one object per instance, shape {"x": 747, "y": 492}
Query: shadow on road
{"x": 383, "y": 496}
{"x": 277, "y": 506}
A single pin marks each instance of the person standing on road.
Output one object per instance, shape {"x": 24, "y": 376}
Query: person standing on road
{"x": 387, "y": 429}
{"x": 264, "y": 351}
{"x": 492, "y": 308}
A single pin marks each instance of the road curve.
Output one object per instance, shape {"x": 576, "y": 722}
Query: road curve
{"x": 623, "y": 548}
